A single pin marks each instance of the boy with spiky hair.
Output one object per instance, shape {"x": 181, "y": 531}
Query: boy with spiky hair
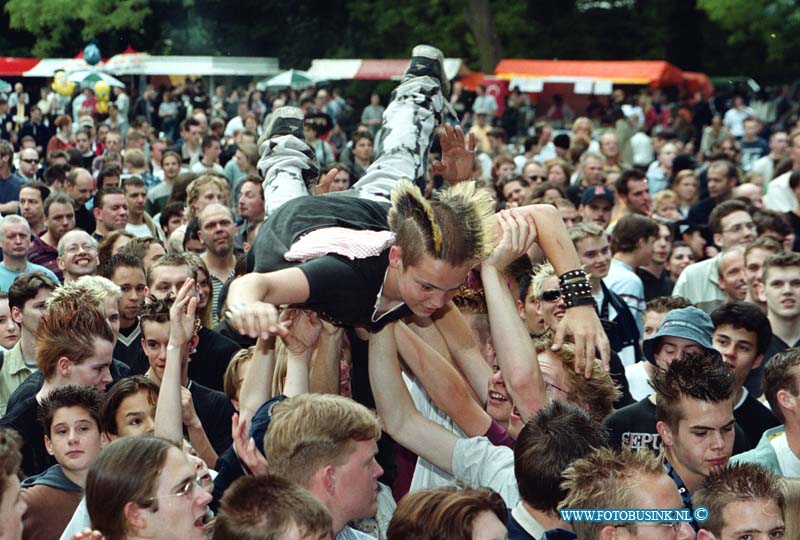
{"x": 743, "y": 500}
{"x": 71, "y": 422}
{"x": 694, "y": 408}
{"x": 622, "y": 479}
{"x": 380, "y": 251}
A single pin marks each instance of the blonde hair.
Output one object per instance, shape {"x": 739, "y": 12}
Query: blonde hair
{"x": 685, "y": 173}
{"x": 93, "y": 289}
{"x": 608, "y": 478}
{"x": 195, "y": 186}
{"x": 538, "y": 275}
{"x": 311, "y": 431}
{"x": 458, "y": 227}
{"x": 790, "y": 488}
{"x": 230, "y": 382}
{"x": 663, "y": 197}
{"x": 583, "y": 230}
{"x": 598, "y": 393}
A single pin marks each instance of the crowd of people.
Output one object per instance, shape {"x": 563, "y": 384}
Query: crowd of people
{"x": 254, "y": 317}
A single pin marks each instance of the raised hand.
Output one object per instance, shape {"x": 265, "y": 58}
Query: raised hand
{"x": 304, "y": 329}
{"x": 88, "y": 534}
{"x": 458, "y": 154}
{"x": 518, "y": 235}
{"x": 256, "y": 320}
{"x": 182, "y": 315}
{"x": 583, "y": 324}
{"x": 324, "y": 184}
{"x": 253, "y": 461}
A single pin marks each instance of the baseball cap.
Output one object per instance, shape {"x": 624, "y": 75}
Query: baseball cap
{"x": 597, "y": 192}
{"x": 85, "y": 121}
{"x": 687, "y": 323}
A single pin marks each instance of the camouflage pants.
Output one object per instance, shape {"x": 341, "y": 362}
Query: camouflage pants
{"x": 289, "y": 169}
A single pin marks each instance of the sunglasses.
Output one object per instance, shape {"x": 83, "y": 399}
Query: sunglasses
{"x": 29, "y": 160}
{"x": 551, "y": 296}
{"x": 535, "y": 177}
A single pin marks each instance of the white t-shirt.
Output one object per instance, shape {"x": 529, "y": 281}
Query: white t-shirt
{"x": 638, "y": 381}
{"x": 426, "y": 474}
{"x": 479, "y": 463}
{"x": 788, "y": 462}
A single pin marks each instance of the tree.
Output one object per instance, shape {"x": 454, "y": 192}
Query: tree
{"x": 774, "y": 22}
{"x": 58, "y": 24}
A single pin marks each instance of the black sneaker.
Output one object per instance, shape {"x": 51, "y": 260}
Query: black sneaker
{"x": 427, "y": 61}
{"x": 286, "y": 121}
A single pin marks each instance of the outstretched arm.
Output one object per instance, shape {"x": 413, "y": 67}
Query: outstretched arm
{"x": 257, "y": 381}
{"x": 304, "y": 329}
{"x": 396, "y": 409}
{"x": 259, "y": 318}
{"x": 515, "y": 352}
{"x": 325, "y": 373}
{"x": 443, "y": 383}
{"x": 175, "y": 408}
{"x": 581, "y": 322}
{"x": 464, "y": 350}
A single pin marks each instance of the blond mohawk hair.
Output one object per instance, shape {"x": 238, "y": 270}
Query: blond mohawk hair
{"x": 458, "y": 226}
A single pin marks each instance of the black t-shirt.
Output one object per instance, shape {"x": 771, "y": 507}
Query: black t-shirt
{"x": 208, "y": 364}
{"x": 214, "y": 411}
{"x": 342, "y": 291}
{"x": 754, "y": 381}
{"x": 655, "y": 287}
{"x": 24, "y": 419}
{"x": 634, "y": 427}
{"x": 84, "y": 219}
{"x": 754, "y": 419}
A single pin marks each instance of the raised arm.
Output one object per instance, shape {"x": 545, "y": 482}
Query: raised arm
{"x": 443, "y": 383}
{"x": 325, "y": 373}
{"x": 464, "y": 350}
{"x": 582, "y": 322}
{"x": 304, "y": 330}
{"x": 255, "y": 390}
{"x": 399, "y": 416}
{"x": 252, "y": 299}
{"x": 175, "y": 407}
{"x": 516, "y": 355}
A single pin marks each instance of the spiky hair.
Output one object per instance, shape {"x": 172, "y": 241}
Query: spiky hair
{"x": 457, "y": 227}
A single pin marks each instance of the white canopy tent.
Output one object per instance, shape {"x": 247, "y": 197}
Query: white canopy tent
{"x": 245, "y": 66}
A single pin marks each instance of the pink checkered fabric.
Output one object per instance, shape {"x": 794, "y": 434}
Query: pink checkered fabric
{"x": 350, "y": 243}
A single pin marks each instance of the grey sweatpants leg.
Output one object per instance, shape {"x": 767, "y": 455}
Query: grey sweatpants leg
{"x": 289, "y": 168}
{"x": 406, "y": 135}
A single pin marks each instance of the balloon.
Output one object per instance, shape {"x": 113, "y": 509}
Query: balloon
{"x": 91, "y": 54}
{"x": 61, "y": 85}
{"x": 102, "y": 90}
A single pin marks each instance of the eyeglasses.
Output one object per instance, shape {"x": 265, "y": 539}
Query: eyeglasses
{"x": 674, "y": 525}
{"x": 739, "y": 227}
{"x": 29, "y": 160}
{"x": 186, "y": 490}
{"x": 75, "y": 248}
{"x": 551, "y": 296}
{"x": 548, "y": 386}
{"x": 535, "y": 177}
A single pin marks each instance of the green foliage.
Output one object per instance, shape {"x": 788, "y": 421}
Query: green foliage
{"x": 760, "y": 38}
{"x": 60, "y": 23}
{"x": 773, "y": 22}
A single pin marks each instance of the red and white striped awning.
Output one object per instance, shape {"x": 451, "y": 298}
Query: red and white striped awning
{"x": 324, "y": 69}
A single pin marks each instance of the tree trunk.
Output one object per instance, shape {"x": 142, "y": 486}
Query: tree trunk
{"x": 479, "y": 18}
